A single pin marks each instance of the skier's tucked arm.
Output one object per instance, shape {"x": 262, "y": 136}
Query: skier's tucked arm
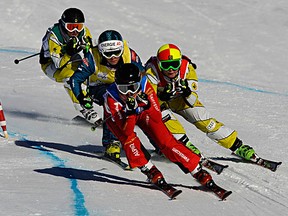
{"x": 85, "y": 69}
{"x": 120, "y": 118}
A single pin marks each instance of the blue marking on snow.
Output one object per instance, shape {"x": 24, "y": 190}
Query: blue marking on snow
{"x": 200, "y": 80}
{"x": 16, "y": 51}
{"x": 79, "y": 200}
{"x": 242, "y": 87}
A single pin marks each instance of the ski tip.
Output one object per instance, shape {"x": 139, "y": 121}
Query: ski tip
{"x": 219, "y": 171}
{"x": 175, "y": 194}
{"x": 276, "y": 167}
{"x": 271, "y": 165}
{"x": 225, "y": 195}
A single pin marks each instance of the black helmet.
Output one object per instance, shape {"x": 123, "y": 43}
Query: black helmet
{"x": 109, "y": 35}
{"x": 127, "y": 74}
{"x": 110, "y": 43}
{"x": 72, "y": 15}
{"x": 127, "y": 78}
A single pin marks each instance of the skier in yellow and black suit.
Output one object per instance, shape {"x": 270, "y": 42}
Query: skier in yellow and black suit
{"x": 62, "y": 51}
{"x": 174, "y": 78}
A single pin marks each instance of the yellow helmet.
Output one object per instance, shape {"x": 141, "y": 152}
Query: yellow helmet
{"x": 168, "y": 52}
{"x": 169, "y": 57}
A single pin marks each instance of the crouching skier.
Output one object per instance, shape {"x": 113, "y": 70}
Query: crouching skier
{"x": 131, "y": 101}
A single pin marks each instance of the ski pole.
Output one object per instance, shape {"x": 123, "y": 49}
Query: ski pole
{"x": 16, "y": 61}
{"x": 93, "y": 128}
{"x": 70, "y": 62}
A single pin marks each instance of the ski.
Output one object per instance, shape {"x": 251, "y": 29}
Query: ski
{"x": 213, "y": 166}
{"x": 206, "y": 162}
{"x": 118, "y": 162}
{"x": 271, "y": 165}
{"x": 80, "y": 120}
{"x": 268, "y": 164}
{"x": 167, "y": 189}
{"x": 217, "y": 190}
{"x": 210, "y": 187}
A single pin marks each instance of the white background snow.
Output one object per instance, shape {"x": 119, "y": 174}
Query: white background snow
{"x": 240, "y": 48}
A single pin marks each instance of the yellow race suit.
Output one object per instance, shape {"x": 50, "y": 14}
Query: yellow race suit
{"x": 55, "y": 62}
{"x": 101, "y": 74}
{"x": 190, "y": 108}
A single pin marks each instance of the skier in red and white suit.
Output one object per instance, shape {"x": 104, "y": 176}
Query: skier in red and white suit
{"x": 132, "y": 101}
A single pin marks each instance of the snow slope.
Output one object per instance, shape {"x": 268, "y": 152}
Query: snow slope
{"x": 240, "y": 48}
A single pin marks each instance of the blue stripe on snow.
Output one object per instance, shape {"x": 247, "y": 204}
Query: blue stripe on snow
{"x": 242, "y": 87}
{"x": 16, "y": 51}
{"x": 79, "y": 200}
{"x": 200, "y": 80}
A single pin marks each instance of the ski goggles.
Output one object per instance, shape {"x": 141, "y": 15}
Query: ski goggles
{"x": 128, "y": 88}
{"x": 116, "y": 53}
{"x": 170, "y": 64}
{"x": 71, "y": 27}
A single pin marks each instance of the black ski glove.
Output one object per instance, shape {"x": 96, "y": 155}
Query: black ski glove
{"x": 143, "y": 101}
{"x": 73, "y": 46}
{"x": 184, "y": 87}
{"x": 168, "y": 92}
{"x": 85, "y": 101}
{"x": 131, "y": 106}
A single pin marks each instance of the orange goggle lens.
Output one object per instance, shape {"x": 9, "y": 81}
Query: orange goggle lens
{"x": 74, "y": 27}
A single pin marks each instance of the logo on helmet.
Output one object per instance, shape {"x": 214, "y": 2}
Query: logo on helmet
{"x": 108, "y": 44}
{"x": 170, "y": 57}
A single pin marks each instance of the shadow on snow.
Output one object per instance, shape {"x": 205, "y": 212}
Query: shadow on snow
{"x": 72, "y": 173}
{"x": 87, "y": 175}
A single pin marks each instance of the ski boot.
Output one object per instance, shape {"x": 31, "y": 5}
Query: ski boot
{"x": 193, "y": 148}
{"x": 156, "y": 178}
{"x": 91, "y": 116}
{"x": 153, "y": 174}
{"x": 244, "y": 151}
{"x": 203, "y": 177}
{"x": 113, "y": 150}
